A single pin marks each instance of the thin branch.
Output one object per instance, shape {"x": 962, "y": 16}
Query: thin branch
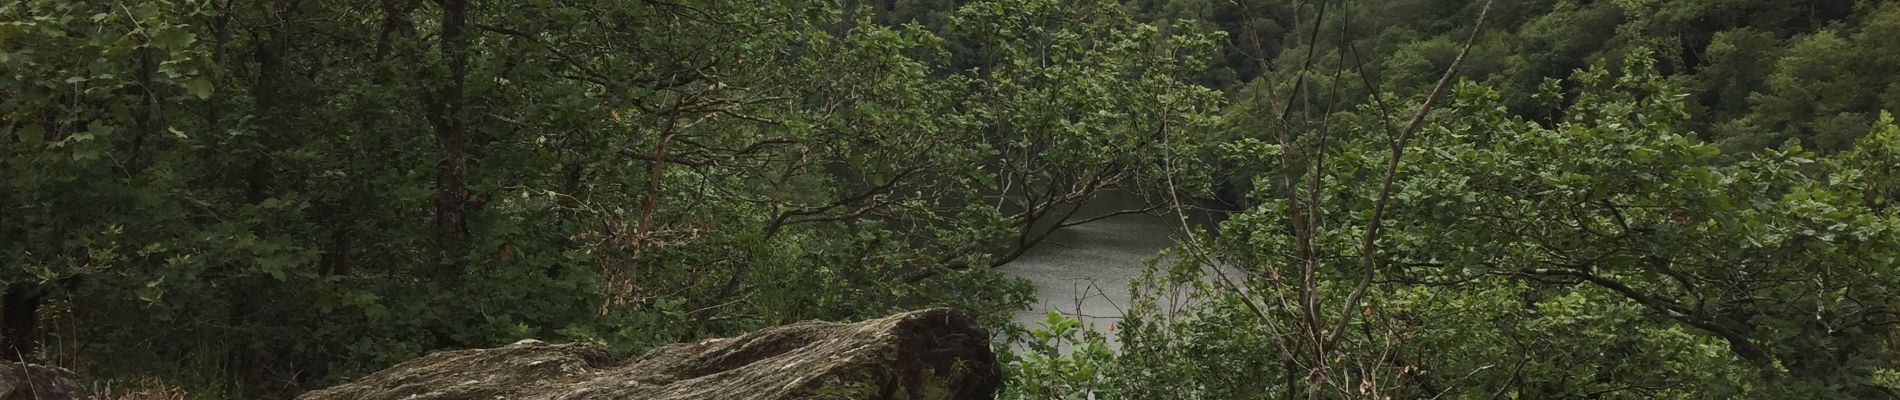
{"x": 1144, "y": 210}
{"x": 1738, "y": 342}
{"x": 1368, "y": 244}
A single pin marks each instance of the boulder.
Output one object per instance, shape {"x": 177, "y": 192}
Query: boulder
{"x": 32, "y": 382}
{"x": 935, "y": 354}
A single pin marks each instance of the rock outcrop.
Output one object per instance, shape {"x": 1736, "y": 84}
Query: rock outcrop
{"x": 935, "y": 354}
{"x": 32, "y": 382}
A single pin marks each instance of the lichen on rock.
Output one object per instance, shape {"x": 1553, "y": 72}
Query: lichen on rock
{"x": 20, "y": 381}
{"x": 935, "y": 354}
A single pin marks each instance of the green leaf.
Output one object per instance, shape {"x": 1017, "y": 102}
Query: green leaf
{"x": 30, "y": 134}
{"x": 173, "y": 38}
{"x": 1704, "y": 151}
{"x": 200, "y": 87}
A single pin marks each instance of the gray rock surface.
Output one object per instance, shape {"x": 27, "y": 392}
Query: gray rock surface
{"x": 935, "y": 354}
{"x": 32, "y": 382}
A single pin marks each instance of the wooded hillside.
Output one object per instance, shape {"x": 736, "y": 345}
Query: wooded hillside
{"x": 1422, "y": 198}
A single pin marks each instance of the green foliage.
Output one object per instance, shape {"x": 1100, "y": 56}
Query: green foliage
{"x": 1605, "y": 251}
{"x": 280, "y": 195}
{"x": 1063, "y": 360}
{"x": 254, "y": 198}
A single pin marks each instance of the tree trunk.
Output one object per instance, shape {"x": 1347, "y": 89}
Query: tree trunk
{"x": 20, "y": 315}
{"x": 444, "y": 108}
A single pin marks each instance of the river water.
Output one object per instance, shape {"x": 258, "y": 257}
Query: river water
{"x": 1083, "y": 271}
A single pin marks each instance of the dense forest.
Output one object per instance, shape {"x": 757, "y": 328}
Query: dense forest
{"x": 1541, "y": 199}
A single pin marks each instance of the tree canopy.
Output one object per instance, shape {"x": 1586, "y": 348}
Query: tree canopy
{"x": 1415, "y": 198}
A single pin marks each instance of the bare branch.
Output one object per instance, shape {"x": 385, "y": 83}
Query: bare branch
{"x": 1368, "y": 244}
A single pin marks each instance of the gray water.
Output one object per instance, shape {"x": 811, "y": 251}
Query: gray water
{"x": 1083, "y": 271}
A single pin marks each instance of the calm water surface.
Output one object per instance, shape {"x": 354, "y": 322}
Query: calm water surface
{"x": 1083, "y": 271}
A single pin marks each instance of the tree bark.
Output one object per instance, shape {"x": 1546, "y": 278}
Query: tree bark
{"x": 20, "y": 315}
{"x": 444, "y": 107}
